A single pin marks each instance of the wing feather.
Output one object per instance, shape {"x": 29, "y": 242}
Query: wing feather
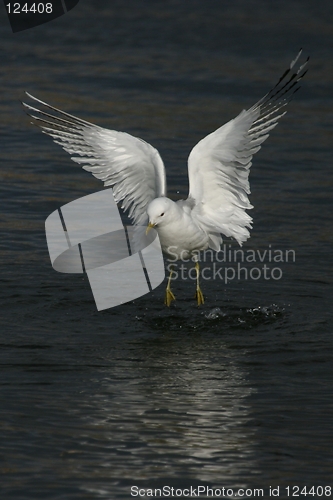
{"x": 219, "y": 165}
{"x": 132, "y": 166}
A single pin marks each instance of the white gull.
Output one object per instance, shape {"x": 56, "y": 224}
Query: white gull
{"x": 218, "y": 170}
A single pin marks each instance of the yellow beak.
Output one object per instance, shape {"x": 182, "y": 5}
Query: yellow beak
{"x": 150, "y": 225}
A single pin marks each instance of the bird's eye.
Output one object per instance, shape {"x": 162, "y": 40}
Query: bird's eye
{"x": 162, "y": 214}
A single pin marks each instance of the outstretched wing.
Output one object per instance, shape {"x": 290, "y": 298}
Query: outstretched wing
{"x": 132, "y": 166}
{"x": 219, "y": 165}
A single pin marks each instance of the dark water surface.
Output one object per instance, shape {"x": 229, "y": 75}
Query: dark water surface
{"x": 236, "y": 393}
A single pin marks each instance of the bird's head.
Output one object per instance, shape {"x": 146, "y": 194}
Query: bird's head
{"x": 159, "y": 212}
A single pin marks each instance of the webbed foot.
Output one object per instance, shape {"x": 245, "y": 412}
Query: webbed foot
{"x": 199, "y": 296}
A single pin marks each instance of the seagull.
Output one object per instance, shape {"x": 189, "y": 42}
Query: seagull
{"x": 218, "y": 171}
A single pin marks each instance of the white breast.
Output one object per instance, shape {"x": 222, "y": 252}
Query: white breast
{"x": 182, "y": 237}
